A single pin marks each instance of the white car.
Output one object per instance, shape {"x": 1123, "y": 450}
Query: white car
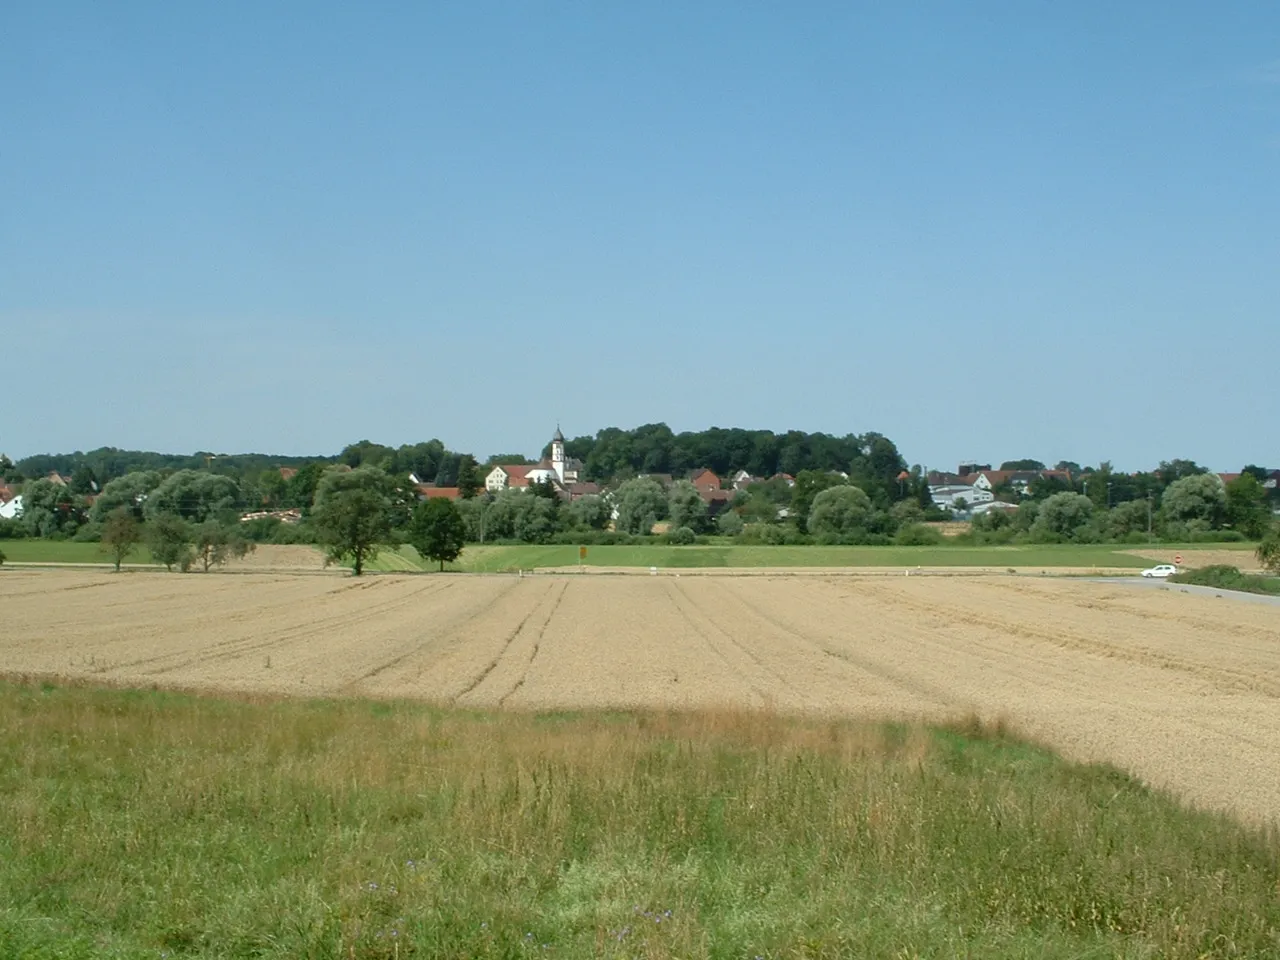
{"x": 1160, "y": 570}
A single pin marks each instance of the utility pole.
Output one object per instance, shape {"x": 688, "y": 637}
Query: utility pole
{"x": 1148, "y": 514}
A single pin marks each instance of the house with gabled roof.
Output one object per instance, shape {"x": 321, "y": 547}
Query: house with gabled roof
{"x": 704, "y": 481}
{"x": 557, "y": 469}
{"x": 507, "y": 476}
{"x": 10, "y": 503}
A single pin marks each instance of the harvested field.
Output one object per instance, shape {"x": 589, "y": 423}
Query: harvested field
{"x": 1246, "y": 560}
{"x": 271, "y": 556}
{"x": 1183, "y": 690}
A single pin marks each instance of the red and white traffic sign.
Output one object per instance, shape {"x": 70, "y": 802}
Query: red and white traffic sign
{"x": 1178, "y": 560}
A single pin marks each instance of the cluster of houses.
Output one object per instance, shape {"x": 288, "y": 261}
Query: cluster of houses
{"x": 972, "y": 488}
{"x": 564, "y": 474}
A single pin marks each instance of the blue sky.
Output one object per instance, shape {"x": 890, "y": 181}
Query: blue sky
{"x": 989, "y": 230}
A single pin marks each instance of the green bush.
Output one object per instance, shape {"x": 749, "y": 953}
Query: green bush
{"x": 1228, "y": 578}
{"x": 12, "y": 530}
{"x": 729, "y": 523}
{"x": 1269, "y": 550}
{"x": 1136, "y": 536}
{"x": 2, "y": 558}
{"x": 595, "y": 538}
{"x": 918, "y": 535}
{"x": 289, "y": 533}
{"x": 89, "y": 533}
{"x": 682, "y": 536}
{"x": 772, "y": 534}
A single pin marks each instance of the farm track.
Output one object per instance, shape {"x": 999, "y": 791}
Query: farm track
{"x": 1184, "y": 690}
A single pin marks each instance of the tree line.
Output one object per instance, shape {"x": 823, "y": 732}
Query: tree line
{"x": 859, "y": 489}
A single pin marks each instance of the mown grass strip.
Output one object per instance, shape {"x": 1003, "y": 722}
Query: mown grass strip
{"x": 135, "y": 824}
{"x": 497, "y": 558}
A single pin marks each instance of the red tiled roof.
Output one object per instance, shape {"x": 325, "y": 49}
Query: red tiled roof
{"x": 288, "y": 473}
{"x": 435, "y": 493}
{"x": 1228, "y": 477}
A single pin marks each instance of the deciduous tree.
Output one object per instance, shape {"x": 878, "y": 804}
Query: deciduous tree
{"x": 1246, "y": 507}
{"x": 121, "y": 533}
{"x": 195, "y": 496}
{"x": 809, "y": 483}
{"x": 1065, "y": 516}
{"x": 216, "y": 543}
{"x": 437, "y": 531}
{"x": 169, "y": 539}
{"x": 840, "y": 513}
{"x": 49, "y": 509}
{"x": 641, "y": 504}
{"x": 1195, "y": 497}
{"x": 590, "y": 512}
{"x": 352, "y": 515}
{"x": 685, "y": 506}
{"x": 130, "y": 491}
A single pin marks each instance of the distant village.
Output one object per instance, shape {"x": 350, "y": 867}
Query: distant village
{"x": 973, "y": 490}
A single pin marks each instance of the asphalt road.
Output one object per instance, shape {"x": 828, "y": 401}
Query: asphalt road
{"x": 1152, "y": 583}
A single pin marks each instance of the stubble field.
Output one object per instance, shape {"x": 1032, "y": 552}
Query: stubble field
{"x": 1182, "y": 690}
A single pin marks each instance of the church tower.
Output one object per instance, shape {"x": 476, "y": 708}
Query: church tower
{"x": 557, "y": 453}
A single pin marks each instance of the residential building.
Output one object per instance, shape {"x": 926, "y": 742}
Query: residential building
{"x": 10, "y": 503}
{"x": 1019, "y": 480}
{"x": 704, "y": 481}
{"x": 507, "y": 476}
{"x": 559, "y": 469}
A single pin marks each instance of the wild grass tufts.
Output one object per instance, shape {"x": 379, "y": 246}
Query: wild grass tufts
{"x": 145, "y": 824}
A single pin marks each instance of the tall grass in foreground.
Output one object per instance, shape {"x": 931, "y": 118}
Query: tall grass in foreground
{"x": 144, "y": 824}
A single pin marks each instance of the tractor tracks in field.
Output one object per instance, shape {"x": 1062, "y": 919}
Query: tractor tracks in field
{"x": 463, "y": 616}
{"x": 542, "y": 613}
{"x": 722, "y": 643}
{"x": 909, "y": 683}
{"x": 237, "y": 647}
{"x": 1223, "y": 678}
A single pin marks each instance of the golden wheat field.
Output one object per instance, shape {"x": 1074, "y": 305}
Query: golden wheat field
{"x": 1183, "y": 690}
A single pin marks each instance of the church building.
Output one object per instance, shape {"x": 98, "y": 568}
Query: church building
{"x": 558, "y": 469}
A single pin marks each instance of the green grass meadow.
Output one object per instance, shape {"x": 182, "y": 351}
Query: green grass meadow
{"x": 477, "y": 558}
{"x": 498, "y": 558}
{"x": 143, "y": 824}
{"x": 65, "y": 551}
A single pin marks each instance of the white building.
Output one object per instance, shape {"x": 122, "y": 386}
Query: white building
{"x": 948, "y": 495}
{"x": 11, "y": 509}
{"x": 558, "y": 469}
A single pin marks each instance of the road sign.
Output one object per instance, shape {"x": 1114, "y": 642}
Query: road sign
{"x": 582, "y": 554}
{"x": 1178, "y": 560}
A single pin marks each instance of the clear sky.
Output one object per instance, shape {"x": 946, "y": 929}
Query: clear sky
{"x": 987, "y": 230}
